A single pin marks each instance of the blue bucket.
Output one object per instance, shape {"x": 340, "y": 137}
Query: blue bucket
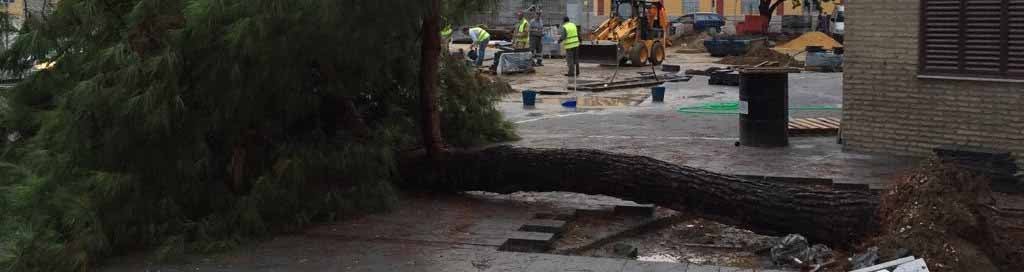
{"x": 529, "y": 98}
{"x": 658, "y": 94}
{"x": 569, "y": 103}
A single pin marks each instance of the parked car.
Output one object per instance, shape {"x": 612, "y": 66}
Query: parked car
{"x": 839, "y": 24}
{"x": 698, "y": 22}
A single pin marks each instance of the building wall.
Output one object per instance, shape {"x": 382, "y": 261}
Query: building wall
{"x": 888, "y": 109}
{"x": 503, "y": 14}
{"x": 16, "y": 10}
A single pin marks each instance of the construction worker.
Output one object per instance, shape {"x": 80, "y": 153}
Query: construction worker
{"x": 480, "y": 39}
{"x": 537, "y": 38}
{"x": 570, "y": 41}
{"x": 521, "y": 33}
{"x": 446, "y": 33}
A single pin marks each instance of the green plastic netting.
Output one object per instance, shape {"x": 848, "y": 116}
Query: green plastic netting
{"x": 734, "y": 108}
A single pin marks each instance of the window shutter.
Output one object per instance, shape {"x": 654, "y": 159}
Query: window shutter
{"x": 982, "y": 36}
{"x": 941, "y": 36}
{"x": 1015, "y": 38}
{"x": 973, "y": 37}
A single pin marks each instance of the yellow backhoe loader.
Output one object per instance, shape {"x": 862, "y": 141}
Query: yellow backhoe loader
{"x": 635, "y": 34}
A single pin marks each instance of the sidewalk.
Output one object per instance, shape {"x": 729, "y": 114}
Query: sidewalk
{"x": 425, "y": 234}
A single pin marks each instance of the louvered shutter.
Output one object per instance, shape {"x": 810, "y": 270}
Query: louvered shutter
{"x": 1015, "y": 38}
{"x": 973, "y": 37}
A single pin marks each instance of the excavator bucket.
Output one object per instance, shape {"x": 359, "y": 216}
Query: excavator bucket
{"x": 599, "y": 52}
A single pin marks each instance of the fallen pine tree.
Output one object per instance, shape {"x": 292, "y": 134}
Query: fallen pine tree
{"x": 838, "y": 218}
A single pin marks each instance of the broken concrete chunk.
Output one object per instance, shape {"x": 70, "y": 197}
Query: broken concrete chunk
{"x": 794, "y": 249}
{"x": 886, "y": 265}
{"x": 866, "y": 259}
{"x": 916, "y": 266}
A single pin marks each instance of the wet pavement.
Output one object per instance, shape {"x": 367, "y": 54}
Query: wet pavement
{"x": 451, "y": 234}
{"x": 704, "y": 141}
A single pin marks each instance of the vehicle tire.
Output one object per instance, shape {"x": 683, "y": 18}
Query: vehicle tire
{"x": 639, "y": 54}
{"x": 657, "y": 54}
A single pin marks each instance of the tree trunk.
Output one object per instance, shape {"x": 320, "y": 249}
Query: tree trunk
{"x": 838, "y": 218}
{"x": 767, "y": 9}
{"x": 429, "y": 61}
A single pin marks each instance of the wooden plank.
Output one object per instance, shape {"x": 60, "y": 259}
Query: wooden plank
{"x": 821, "y": 124}
{"x": 795, "y": 125}
{"x": 808, "y": 124}
{"x": 831, "y": 121}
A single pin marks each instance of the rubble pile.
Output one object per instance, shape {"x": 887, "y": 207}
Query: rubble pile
{"x": 947, "y": 215}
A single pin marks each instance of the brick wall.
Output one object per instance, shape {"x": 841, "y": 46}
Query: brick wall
{"x": 888, "y": 109}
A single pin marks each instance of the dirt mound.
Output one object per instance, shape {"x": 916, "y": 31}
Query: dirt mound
{"x": 758, "y": 55}
{"x": 811, "y": 39}
{"x": 691, "y": 44}
{"x": 944, "y": 215}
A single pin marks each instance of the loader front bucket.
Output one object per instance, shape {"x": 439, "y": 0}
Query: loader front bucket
{"x": 605, "y": 53}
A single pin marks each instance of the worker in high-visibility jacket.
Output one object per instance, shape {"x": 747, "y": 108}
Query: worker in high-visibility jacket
{"x": 446, "y": 33}
{"x": 480, "y": 39}
{"x": 570, "y": 41}
{"x": 521, "y": 33}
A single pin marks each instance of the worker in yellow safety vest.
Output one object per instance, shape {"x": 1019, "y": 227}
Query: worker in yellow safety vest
{"x": 570, "y": 41}
{"x": 480, "y": 39}
{"x": 521, "y": 35}
{"x": 446, "y": 33}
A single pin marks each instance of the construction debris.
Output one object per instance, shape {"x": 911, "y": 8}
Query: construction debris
{"x": 760, "y": 55}
{"x": 692, "y": 44}
{"x": 866, "y": 259}
{"x": 898, "y": 263}
{"x": 998, "y": 165}
{"x": 795, "y": 250}
{"x": 514, "y": 62}
{"x": 952, "y": 218}
{"x": 705, "y": 72}
{"x": 642, "y": 81}
{"x": 727, "y": 77}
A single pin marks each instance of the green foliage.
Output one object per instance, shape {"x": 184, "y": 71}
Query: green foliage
{"x": 468, "y": 116}
{"x": 192, "y": 126}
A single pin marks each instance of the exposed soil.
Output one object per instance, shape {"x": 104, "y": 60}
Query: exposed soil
{"x": 676, "y": 237}
{"x": 952, "y": 219}
{"x": 691, "y": 44}
{"x": 759, "y": 55}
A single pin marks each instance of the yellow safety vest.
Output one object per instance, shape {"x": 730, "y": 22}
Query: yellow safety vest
{"x": 523, "y": 25}
{"x": 572, "y": 37}
{"x": 446, "y": 32}
{"x": 483, "y": 34}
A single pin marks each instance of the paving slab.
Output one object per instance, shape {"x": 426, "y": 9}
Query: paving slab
{"x": 706, "y": 141}
{"x": 636, "y": 266}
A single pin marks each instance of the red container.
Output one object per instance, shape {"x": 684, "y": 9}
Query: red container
{"x": 752, "y": 24}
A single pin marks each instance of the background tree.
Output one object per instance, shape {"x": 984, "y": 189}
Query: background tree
{"x": 767, "y": 8}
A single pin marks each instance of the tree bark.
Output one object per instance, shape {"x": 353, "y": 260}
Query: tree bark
{"x": 838, "y": 218}
{"x": 767, "y": 8}
{"x": 430, "y": 59}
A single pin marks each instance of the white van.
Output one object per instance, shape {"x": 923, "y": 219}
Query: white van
{"x": 839, "y": 23}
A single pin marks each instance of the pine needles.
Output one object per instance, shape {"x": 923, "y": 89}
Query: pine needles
{"x": 192, "y": 126}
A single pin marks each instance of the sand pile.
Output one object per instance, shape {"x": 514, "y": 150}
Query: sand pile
{"x": 810, "y": 39}
{"x": 942, "y": 214}
{"x": 758, "y": 55}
